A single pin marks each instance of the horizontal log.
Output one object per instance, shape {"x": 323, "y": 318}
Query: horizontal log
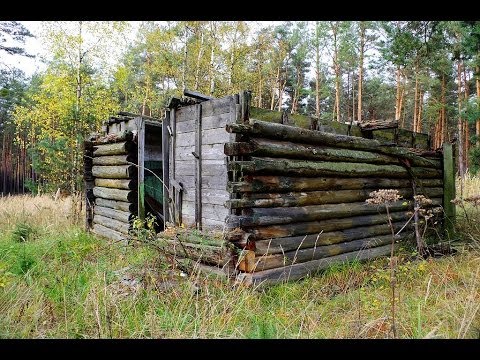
{"x": 302, "y": 255}
{"x": 114, "y": 160}
{"x": 125, "y": 184}
{"x": 190, "y": 266}
{"x": 118, "y": 205}
{"x": 280, "y": 245}
{"x": 295, "y": 134}
{"x": 321, "y": 168}
{"x": 301, "y": 270}
{"x": 208, "y": 254}
{"x": 114, "y": 172}
{"x": 316, "y": 227}
{"x": 119, "y": 215}
{"x": 272, "y": 183}
{"x": 115, "y": 194}
{"x": 285, "y": 149}
{"x": 293, "y": 199}
{"x": 120, "y": 148}
{"x": 114, "y": 138}
{"x": 113, "y": 224}
{"x": 108, "y": 233}
{"x": 285, "y": 215}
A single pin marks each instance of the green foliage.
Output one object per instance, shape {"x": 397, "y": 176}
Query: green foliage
{"x": 23, "y": 232}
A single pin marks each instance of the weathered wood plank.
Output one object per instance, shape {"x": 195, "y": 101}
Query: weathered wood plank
{"x": 118, "y": 205}
{"x": 126, "y": 184}
{"x": 205, "y": 253}
{"x": 110, "y": 223}
{"x": 216, "y": 121}
{"x": 114, "y": 160}
{"x": 209, "y": 211}
{"x": 303, "y": 255}
{"x": 121, "y": 148}
{"x": 321, "y": 168}
{"x": 315, "y": 227}
{"x": 198, "y": 166}
{"x": 295, "y": 134}
{"x": 114, "y": 171}
{"x": 217, "y": 106}
{"x": 186, "y": 140}
{"x": 301, "y": 270}
{"x": 108, "y": 233}
{"x": 216, "y": 136}
{"x": 186, "y": 126}
{"x": 259, "y": 183}
{"x": 261, "y": 200}
{"x": 115, "y": 194}
{"x": 280, "y": 245}
{"x": 119, "y": 215}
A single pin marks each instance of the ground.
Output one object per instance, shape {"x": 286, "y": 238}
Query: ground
{"x": 56, "y": 280}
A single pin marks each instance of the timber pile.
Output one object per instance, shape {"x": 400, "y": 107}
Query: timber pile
{"x": 112, "y": 178}
{"x": 298, "y": 202}
{"x": 378, "y": 124}
{"x": 208, "y": 253}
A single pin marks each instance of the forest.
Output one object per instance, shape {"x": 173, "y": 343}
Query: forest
{"x": 425, "y": 74}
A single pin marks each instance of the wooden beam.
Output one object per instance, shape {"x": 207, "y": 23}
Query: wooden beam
{"x": 298, "y": 271}
{"x": 198, "y": 166}
{"x": 166, "y": 166}
{"x": 197, "y": 95}
{"x": 141, "y": 168}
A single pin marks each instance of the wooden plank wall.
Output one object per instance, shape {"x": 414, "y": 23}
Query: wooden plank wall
{"x": 300, "y": 197}
{"x": 215, "y": 115}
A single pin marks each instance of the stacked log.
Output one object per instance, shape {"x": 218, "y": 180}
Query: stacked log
{"x": 298, "y": 203}
{"x": 114, "y": 176}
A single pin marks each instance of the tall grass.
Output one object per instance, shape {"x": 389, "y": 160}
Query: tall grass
{"x": 63, "y": 282}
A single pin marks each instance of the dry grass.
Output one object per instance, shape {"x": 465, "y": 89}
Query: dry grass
{"x": 65, "y": 283}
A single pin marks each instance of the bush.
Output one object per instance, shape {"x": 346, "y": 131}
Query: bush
{"x": 23, "y": 232}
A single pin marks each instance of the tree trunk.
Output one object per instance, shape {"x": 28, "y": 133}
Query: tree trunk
{"x": 415, "y": 108}
{"x": 477, "y": 124}
{"x": 336, "y": 67}
{"x": 466, "y": 124}
{"x": 317, "y": 73}
{"x": 276, "y": 84}
{"x": 461, "y": 168}
{"x": 199, "y": 58}
{"x": 360, "y": 71}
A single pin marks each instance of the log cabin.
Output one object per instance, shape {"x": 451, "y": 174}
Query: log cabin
{"x": 286, "y": 192}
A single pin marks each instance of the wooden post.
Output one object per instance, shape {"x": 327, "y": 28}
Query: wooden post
{"x": 448, "y": 188}
{"x": 141, "y": 170}
{"x": 173, "y": 136}
{"x": 166, "y": 167}
{"x": 198, "y": 166}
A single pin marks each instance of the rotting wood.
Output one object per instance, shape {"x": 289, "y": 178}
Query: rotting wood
{"x": 322, "y": 168}
{"x": 119, "y": 215}
{"x": 279, "y": 245}
{"x": 315, "y": 227}
{"x": 114, "y": 172}
{"x": 294, "y": 199}
{"x": 290, "y": 133}
{"x": 205, "y": 253}
{"x": 246, "y": 261}
{"x": 114, "y": 160}
{"x": 108, "y": 233}
{"x": 118, "y": 205}
{"x": 285, "y": 149}
{"x": 113, "y": 224}
{"x": 115, "y": 194}
{"x": 265, "y": 262}
{"x": 121, "y": 148}
{"x": 265, "y": 183}
{"x": 301, "y": 270}
{"x": 285, "y": 215}
{"x": 114, "y": 138}
{"x": 125, "y": 184}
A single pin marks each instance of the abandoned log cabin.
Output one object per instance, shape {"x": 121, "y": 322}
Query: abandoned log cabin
{"x": 287, "y": 192}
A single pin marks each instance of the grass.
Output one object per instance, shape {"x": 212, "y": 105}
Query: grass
{"x": 57, "y": 281}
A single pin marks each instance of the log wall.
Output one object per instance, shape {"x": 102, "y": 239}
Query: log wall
{"x": 298, "y": 202}
{"x": 111, "y": 180}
